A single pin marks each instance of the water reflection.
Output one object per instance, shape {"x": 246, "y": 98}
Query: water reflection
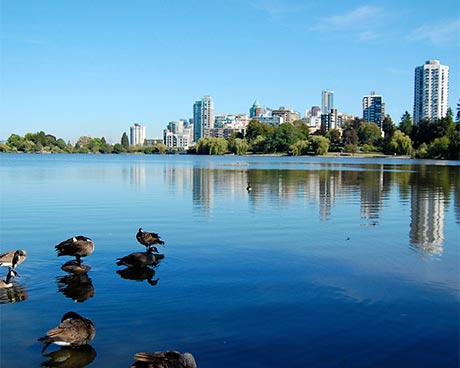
{"x": 322, "y": 184}
{"x": 70, "y": 357}
{"x": 77, "y": 287}
{"x": 15, "y": 294}
{"x": 139, "y": 274}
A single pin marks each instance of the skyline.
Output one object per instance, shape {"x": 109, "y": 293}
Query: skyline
{"x": 83, "y": 68}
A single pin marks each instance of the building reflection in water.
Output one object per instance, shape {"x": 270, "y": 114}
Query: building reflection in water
{"x": 137, "y": 174}
{"x": 427, "y": 220}
{"x": 369, "y": 185}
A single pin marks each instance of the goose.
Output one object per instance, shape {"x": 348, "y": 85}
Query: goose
{"x": 12, "y": 258}
{"x": 74, "y": 330}
{"x": 138, "y": 260}
{"x": 78, "y": 246}
{"x": 5, "y": 284}
{"x": 249, "y": 188}
{"x": 164, "y": 359}
{"x": 148, "y": 239}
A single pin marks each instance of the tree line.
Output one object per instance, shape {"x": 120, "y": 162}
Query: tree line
{"x": 438, "y": 139}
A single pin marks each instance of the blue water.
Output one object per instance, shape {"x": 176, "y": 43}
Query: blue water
{"x": 327, "y": 262}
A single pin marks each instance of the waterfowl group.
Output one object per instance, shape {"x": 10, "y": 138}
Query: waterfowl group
{"x": 78, "y": 247}
{"x": 74, "y": 330}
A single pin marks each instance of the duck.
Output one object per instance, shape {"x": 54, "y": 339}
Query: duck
{"x": 148, "y": 239}
{"x": 249, "y": 188}
{"x": 138, "y": 260}
{"x": 5, "y": 284}
{"x": 164, "y": 359}
{"x": 13, "y": 258}
{"x": 74, "y": 330}
{"x": 78, "y": 246}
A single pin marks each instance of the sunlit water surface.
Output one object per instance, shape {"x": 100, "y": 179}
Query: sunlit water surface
{"x": 327, "y": 262}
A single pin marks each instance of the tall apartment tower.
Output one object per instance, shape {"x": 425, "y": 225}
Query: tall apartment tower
{"x": 374, "y": 109}
{"x": 327, "y": 101}
{"x": 203, "y": 117}
{"x": 137, "y": 135}
{"x": 431, "y": 91}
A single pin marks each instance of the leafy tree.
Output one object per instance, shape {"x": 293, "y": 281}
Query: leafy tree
{"x": 125, "y": 141}
{"x": 14, "y": 141}
{"x": 406, "y": 124}
{"x": 238, "y": 146}
{"x": 369, "y": 133}
{"x": 388, "y": 127}
{"x": 400, "y": 143}
{"x": 349, "y": 136}
{"x": 299, "y": 148}
{"x": 255, "y": 128}
{"x": 258, "y": 144}
{"x": 439, "y": 148}
{"x": 319, "y": 145}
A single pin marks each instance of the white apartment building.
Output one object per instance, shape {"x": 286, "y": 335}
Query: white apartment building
{"x": 137, "y": 135}
{"x": 431, "y": 91}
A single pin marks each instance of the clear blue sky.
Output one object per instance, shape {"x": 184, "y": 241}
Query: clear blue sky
{"x": 95, "y": 67}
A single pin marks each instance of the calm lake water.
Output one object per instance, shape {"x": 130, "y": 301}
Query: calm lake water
{"x": 327, "y": 262}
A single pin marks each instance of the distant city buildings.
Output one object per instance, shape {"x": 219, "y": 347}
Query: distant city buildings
{"x": 374, "y": 109}
{"x": 137, "y": 135}
{"x": 431, "y": 91}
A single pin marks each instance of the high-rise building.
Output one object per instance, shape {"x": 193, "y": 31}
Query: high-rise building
{"x": 137, "y": 135}
{"x": 203, "y": 117}
{"x": 431, "y": 91}
{"x": 374, "y": 109}
{"x": 327, "y": 101}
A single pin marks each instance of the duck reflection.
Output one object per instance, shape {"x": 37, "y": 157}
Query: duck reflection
{"x": 76, "y": 286}
{"x": 139, "y": 274}
{"x": 70, "y": 357}
{"x": 14, "y": 294}
{"x": 164, "y": 359}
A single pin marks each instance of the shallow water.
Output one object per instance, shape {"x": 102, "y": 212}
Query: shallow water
{"x": 326, "y": 262}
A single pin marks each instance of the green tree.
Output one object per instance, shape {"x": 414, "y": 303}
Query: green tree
{"x": 238, "y": 146}
{"x": 400, "y": 143}
{"x": 439, "y": 148}
{"x": 125, "y": 141}
{"x": 299, "y": 148}
{"x": 388, "y": 127}
{"x": 406, "y": 124}
{"x": 319, "y": 145}
{"x": 369, "y": 133}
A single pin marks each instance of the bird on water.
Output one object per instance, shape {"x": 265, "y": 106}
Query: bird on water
{"x": 74, "y": 330}
{"x": 164, "y": 359}
{"x": 5, "y": 284}
{"x": 78, "y": 246}
{"x": 148, "y": 239}
{"x": 12, "y": 258}
{"x": 138, "y": 260}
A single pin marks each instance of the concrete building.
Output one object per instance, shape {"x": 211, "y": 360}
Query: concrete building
{"x": 330, "y": 121}
{"x": 137, "y": 135}
{"x": 431, "y": 91}
{"x": 203, "y": 117}
{"x": 178, "y": 134}
{"x": 327, "y": 101}
{"x": 256, "y": 109}
{"x": 374, "y": 109}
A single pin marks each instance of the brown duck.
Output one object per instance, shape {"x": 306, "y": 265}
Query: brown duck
{"x": 74, "y": 330}
{"x": 12, "y": 258}
{"x": 148, "y": 239}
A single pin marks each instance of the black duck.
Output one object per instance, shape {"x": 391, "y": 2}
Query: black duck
{"x": 148, "y": 239}
{"x": 78, "y": 246}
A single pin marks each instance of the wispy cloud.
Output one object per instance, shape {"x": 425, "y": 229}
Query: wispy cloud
{"x": 362, "y": 18}
{"x": 442, "y": 34}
